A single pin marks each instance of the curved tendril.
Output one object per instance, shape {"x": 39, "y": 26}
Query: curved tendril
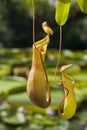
{"x": 62, "y": 101}
{"x": 46, "y": 77}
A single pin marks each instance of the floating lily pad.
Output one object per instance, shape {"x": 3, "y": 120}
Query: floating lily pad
{"x": 21, "y": 99}
{"x": 68, "y": 54}
{"x": 74, "y": 125}
{"x": 5, "y": 70}
{"x": 81, "y": 84}
{"x": 12, "y": 84}
{"x": 79, "y": 96}
{"x": 13, "y": 57}
{"x": 82, "y": 76}
{"x": 13, "y": 119}
{"x": 34, "y": 126}
{"x": 82, "y": 116}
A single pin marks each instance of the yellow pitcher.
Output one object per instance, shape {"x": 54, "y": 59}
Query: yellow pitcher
{"x": 37, "y": 85}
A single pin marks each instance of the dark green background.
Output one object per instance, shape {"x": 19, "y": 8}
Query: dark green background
{"x": 16, "y": 24}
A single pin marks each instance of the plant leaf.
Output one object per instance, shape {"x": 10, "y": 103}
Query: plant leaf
{"x": 62, "y": 11}
{"x": 83, "y": 5}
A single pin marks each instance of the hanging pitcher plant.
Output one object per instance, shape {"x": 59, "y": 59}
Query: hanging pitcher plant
{"x": 38, "y": 85}
{"x": 38, "y": 88}
{"x": 61, "y": 16}
{"x": 69, "y": 99}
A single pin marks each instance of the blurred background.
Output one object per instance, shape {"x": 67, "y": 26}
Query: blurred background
{"x": 16, "y": 24}
{"x": 16, "y": 110}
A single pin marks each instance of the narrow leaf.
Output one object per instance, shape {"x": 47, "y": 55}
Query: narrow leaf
{"x": 83, "y": 5}
{"x": 62, "y": 11}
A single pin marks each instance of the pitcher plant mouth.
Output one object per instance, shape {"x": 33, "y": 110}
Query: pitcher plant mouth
{"x": 69, "y": 99}
{"x": 41, "y": 45}
{"x": 38, "y": 84}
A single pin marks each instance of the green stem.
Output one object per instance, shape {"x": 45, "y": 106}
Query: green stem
{"x": 58, "y": 59}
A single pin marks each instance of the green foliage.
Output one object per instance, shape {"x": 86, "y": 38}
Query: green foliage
{"x": 63, "y": 8}
{"x": 11, "y": 85}
{"x": 62, "y": 11}
{"x": 83, "y": 5}
{"x": 16, "y": 24}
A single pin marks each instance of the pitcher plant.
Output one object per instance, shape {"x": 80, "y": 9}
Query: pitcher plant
{"x": 38, "y": 85}
{"x": 69, "y": 99}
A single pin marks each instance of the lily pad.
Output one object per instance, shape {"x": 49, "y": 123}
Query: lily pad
{"x": 14, "y": 57}
{"x": 11, "y": 85}
{"x": 82, "y": 116}
{"x": 68, "y": 54}
{"x": 13, "y": 119}
{"x": 82, "y": 76}
{"x": 5, "y": 70}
